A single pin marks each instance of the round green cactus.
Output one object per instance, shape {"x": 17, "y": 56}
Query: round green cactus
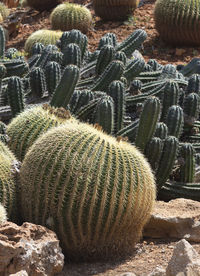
{"x": 3, "y": 215}
{"x": 25, "y": 128}
{"x": 68, "y": 16}
{"x": 94, "y": 191}
{"x": 178, "y": 21}
{"x": 45, "y": 37}
{"x": 42, "y": 5}
{"x": 8, "y": 168}
{"x": 115, "y": 9}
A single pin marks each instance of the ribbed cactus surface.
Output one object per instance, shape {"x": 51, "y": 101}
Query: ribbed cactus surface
{"x": 114, "y": 9}
{"x": 8, "y": 168}
{"x": 28, "y": 125}
{"x": 178, "y": 21}
{"x": 68, "y": 16}
{"x": 3, "y": 216}
{"x": 45, "y": 37}
{"x": 95, "y": 192}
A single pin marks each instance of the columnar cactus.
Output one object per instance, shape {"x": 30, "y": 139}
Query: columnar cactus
{"x": 178, "y": 21}
{"x": 95, "y": 192}
{"x": 30, "y": 124}
{"x": 115, "y": 9}
{"x": 45, "y": 37}
{"x": 42, "y": 5}
{"x": 68, "y": 16}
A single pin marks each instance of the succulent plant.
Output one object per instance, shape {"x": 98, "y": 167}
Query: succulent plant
{"x": 24, "y": 129}
{"x": 4, "y": 11}
{"x": 8, "y": 169}
{"x": 42, "y": 5}
{"x": 3, "y": 215}
{"x": 177, "y": 21}
{"x": 45, "y": 37}
{"x": 68, "y": 16}
{"x": 115, "y": 9}
{"x": 95, "y": 192}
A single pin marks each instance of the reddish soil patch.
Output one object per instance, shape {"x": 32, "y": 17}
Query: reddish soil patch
{"x": 143, "y": 18}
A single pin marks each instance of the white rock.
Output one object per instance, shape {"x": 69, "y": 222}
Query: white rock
{"x": 20, "y": 273}
{"x": 158, "y": 271}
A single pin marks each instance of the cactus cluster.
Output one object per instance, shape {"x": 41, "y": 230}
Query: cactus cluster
{"x": 178, "y": 22}
{"x": 68, "y": 16}
{"x": 115, "y": 9}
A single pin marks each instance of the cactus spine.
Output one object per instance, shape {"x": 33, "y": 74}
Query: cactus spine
{"x": 92, "y": 216}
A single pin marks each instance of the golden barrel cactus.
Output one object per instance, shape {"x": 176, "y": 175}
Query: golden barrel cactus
{"x": 94, "y": 191}
{"x": 115, "y": 9}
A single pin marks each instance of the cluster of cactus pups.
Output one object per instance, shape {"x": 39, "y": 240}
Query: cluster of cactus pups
{"x": 98, "y": 188}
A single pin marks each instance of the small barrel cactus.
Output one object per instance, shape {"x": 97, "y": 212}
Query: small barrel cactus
{"x": 30, "y": 124}
{"x": 115, "y": 9}
{"x": 42, "y": 5}
{"x": 3, "y": 215}
{"x": 178, "y": 21}
{"x": 94, "y": 191}
{"x": 45, "y": 37}
{"x": 68, "y": 16}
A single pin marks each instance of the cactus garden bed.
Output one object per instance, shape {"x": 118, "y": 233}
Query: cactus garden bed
{"x": 153, "y": 46}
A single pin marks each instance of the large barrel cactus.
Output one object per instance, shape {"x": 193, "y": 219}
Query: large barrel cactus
{"x": 28, "y": 125}
{"x": 68, "y": 16}
{"x": 8, "y": 169}
{"x": 42, "y": 5}
{"x": 45, "y": 37}
{"x": 114, "y": 9}
{"x": 95, "y": 192}
{"x": 177, "y": 21}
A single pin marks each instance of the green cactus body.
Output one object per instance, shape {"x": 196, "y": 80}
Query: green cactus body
{"x": 97, "y": 216}
{"x": 115, "y": 10}
{"x": 129, "y": 131}
{"x": 72, "y": 55}
{"x": 65, "y": 87}
{"x": 37, "y": 82}
{"x": 132, "y": 43}
{"x": 177, "y": 21}
{"x": 68, "y": 16}
{"x": 161, "y": 130}
{"x": 3, "y": 215}
{"x": 42, "y": 5}
{"x": 37, "y": 48}
{"x": 45, "y": 37}
{"x": 79, "y": 99}
{"x": 15, "y": 67}
{"x": 147, "y": 124}
{"x": 87, "y": 111}
{"x": 175, "y": 121}
{"x": 2, "y": 42}
{"x": 170, "y": 97}
{"x": 153, "y": 151}
{"x": 135, "y": 87}
{"x": 104, "y": 114}
{"x": 74, "y": 36}
{"x": 187, "y": 163}
{"x": 24, "y": 129}
{"x": 116, "y": 90}
{"x": 119, "y": 55}
{"x": 191, "y": 108}
{"x": 8, "y": 169}
{"x": 112, "y": 37}
{"x": 105, "y": 56}
{"x": 167, "y": 160}
{"x": 193, "y": 84}
{"x": 113, "y": 71}
{"x": 133, "y": 68}
{"x": 52, "y": 75}
{"x": 15, "y": 94}
{"x": 105, "y": 40}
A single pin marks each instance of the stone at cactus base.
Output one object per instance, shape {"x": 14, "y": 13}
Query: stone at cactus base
{"x": 177, "y": 218}
{"x": 29, "y": 247}
{"x": 20, "y": 273}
